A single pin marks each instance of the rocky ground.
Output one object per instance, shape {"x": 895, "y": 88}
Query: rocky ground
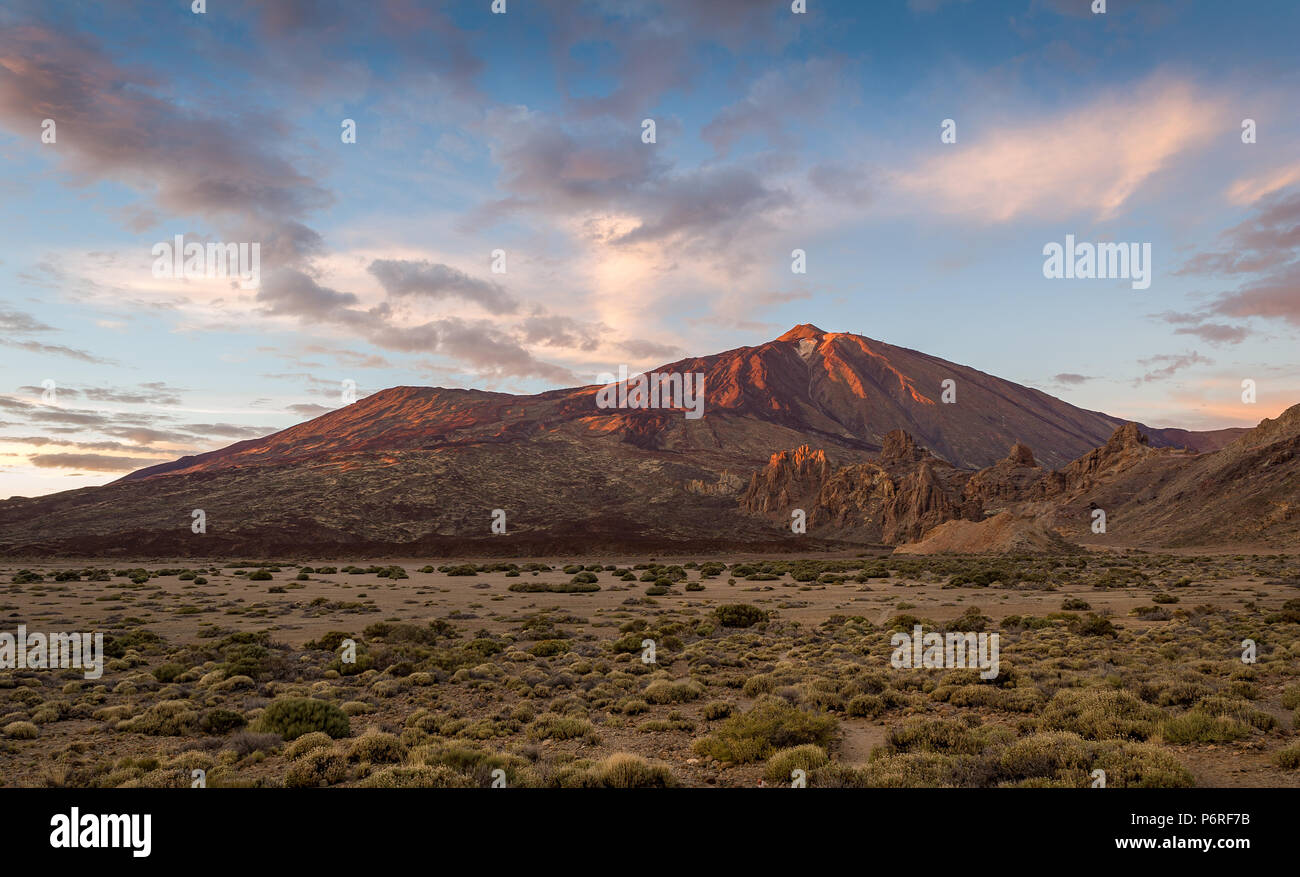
{"x": 1124, "y": 662}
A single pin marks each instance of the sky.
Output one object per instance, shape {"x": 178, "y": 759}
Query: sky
{"x": 518, "y": 141}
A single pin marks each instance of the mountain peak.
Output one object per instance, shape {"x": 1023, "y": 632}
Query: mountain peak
{"x": 801, "y": 331}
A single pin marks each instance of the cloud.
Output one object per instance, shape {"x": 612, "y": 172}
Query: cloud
{"x": 1195, "y": 324}
{"x": 843, "y": 183}
{"x": 655, "y": 46}
{"x": 1266, "y": 245}
{"x": 1071, "y": 378}
{"x": 711, "y": 205}
{"x": 647, "y": 349}
{"x": 293, "y": 293}
{"x": 17, "y": 322}
{"x": 798, "y": 94}
{"x": 545, "y": 167}
{"x": 1274, "y": 297}
{"x": 1216, "y": 333}
{"x": 92, "y": 462}
{"x": 112, "y": 125}
{"x": 56, "y": 350}
{"x": 494, "y": 354}
{"x": 227, "y": 430}
{"x": 1169, "y": 364}
{"x": 487, "y": 349}
{"x": 1269, "y": 238}
{"x": 1091, "y": 159}
{"x": 153, "y": 393}
{"x": 1251, "y": 189}
{"x": 553, "y": 330}
{"x": 309, "y": 409}
{"x": 425, "y": 279}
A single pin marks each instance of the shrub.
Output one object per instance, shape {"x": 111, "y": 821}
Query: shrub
{"x": 1094, "y": 625}
{"x": 221, "y": 721}
{"x": 557, "y": 727}
{"x": 1098, "y": 714}
{"x": 739, "y": 615}
{"x": 716, "y": 710}
{"x": 377, "y": 748}
{"x": 665, "y": 691}
{"x": 320, "y": 767}
{"x": 1289, "y": 758}
{"x": 306, "y": 743}
{"x": 906, "y": 770}
{"x": 170, "y": 718}
{"x": 21, "y": 731}
{"x": 866, "y": 706}
{"x": 1199, "y": 727}
{"x": 933, "y": 735}
{"x": 167, "y": 672}
{"x": 769, "y": 725}
{"x": 419, "y": 776}
{"x": 783, "y": 763}
{"x": 623, "y": 770}
{"x": 294, "y": 716}
{"x": 549, "y": 647}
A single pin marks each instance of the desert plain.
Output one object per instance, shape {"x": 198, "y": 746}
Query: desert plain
{"x": 1122, "y": 667}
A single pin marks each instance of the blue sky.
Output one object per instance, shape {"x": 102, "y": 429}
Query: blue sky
{"x": 522, "y": 132}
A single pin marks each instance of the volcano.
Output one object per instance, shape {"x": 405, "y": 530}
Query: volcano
{"x": 422, "y": 469}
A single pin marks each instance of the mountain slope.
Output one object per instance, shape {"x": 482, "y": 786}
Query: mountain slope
{"x": 418, "y": 468}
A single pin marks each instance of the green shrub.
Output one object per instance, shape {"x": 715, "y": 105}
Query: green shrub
{"x": 549, "y": 647}
{"x": 769, "y": 725}
{"x": 784, "y": 762}
{"x": 170, "y": 718}
{"x": 1289, "y": 758}
{"x": 306, "y": 743}
{"x": 320, "y": 767}
{"x": 1199, "y": 727}
{"x": 622, "y": 770}
{"x": 377, "y": 748}
{"x": 663, "y": 691}
{"x": 21, "y": 731}
{"x": 1099, "y": 714}
{"x": 167, "y": 672}
{"x": 292, "y": 717}
{"x": 716, "y": 710}
{"x": 739, "y": 615}
{"x": 221, "y": 721}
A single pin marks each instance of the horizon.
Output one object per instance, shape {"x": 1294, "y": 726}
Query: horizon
{"x": 522, "y": 134}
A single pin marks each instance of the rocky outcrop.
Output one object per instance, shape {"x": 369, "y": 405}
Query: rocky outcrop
{"x": 893, "y": 499}
{"x": 1009, "y": 480}
{"x": 791, "y": 479}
